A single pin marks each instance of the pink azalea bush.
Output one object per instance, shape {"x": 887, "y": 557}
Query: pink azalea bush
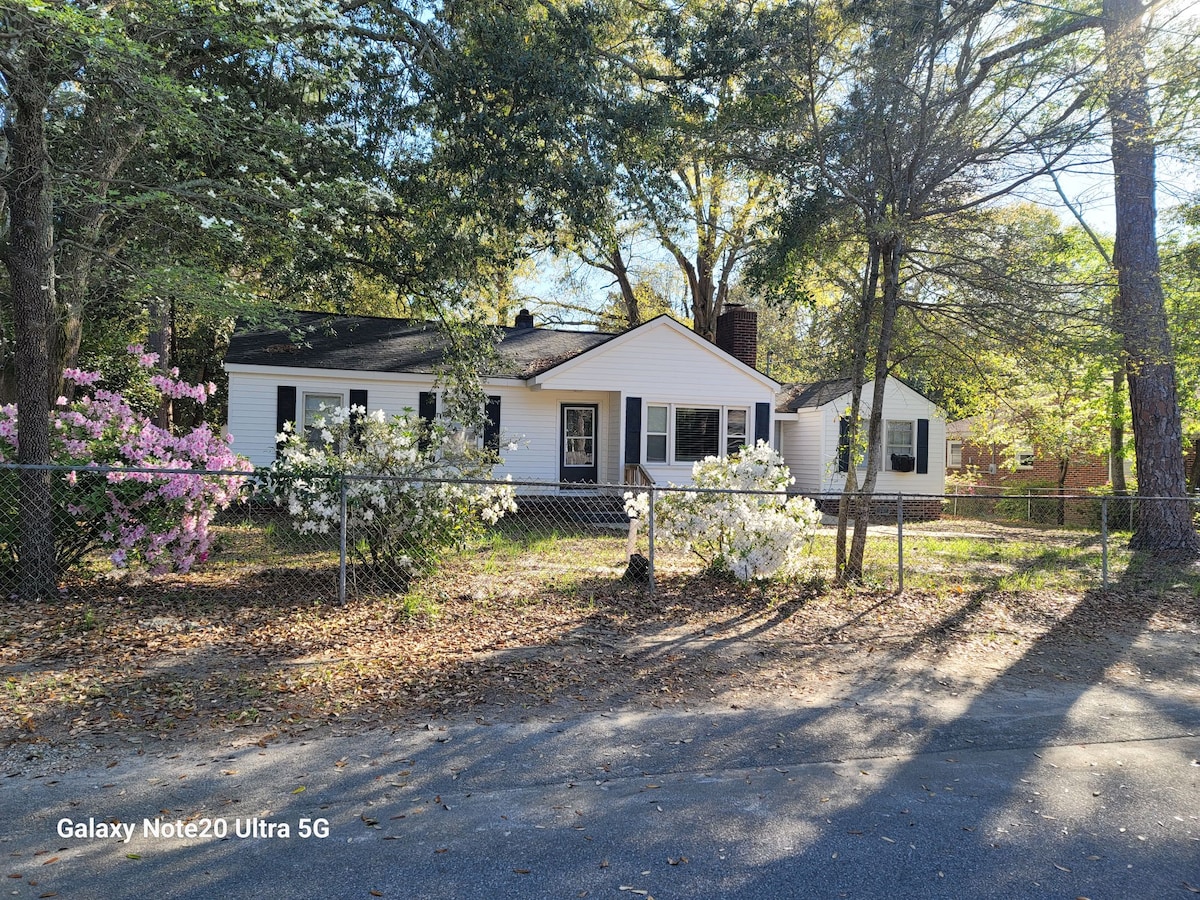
{"x": 159, "y": 520}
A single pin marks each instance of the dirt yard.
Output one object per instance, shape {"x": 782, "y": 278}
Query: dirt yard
{"x": 189, "y": 657}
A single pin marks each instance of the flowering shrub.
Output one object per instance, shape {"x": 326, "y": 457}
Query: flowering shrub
{"x": 406, "y": 498}
{"x": 750, "y": 535}
{"x": 159, "y": 520}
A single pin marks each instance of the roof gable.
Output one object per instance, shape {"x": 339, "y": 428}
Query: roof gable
{"x": 795, "y": 397}
{"x": 654, "y": 334}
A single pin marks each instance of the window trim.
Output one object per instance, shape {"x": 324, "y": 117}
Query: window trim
{"x": 886, "y": 461}
{"x": 950, "y": 448}
{"x": 1020, "y": 450}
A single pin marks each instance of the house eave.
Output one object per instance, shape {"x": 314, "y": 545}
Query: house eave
{"x": 294, "y": 372}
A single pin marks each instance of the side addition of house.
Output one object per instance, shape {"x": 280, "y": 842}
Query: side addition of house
{"x": 811, "y": 434}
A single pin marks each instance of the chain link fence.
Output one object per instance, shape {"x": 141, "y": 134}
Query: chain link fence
{"x": 382, "y": 536}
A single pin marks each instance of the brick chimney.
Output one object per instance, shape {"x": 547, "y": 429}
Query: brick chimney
{"x": 524, "y": 319}
{"x": 737, "y": 333}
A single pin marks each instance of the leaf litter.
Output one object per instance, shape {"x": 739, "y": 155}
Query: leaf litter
{"x": 185, "y": 653}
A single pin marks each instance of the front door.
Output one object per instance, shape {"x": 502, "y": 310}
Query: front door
{"x": 578, "y": 456}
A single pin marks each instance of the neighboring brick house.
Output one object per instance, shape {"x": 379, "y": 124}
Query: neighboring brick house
{"x": 998, "y": 466}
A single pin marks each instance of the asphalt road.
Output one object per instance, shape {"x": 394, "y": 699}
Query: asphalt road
{"x": 1024, "y": 786}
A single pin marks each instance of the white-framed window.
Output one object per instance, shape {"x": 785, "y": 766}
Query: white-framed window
{"x": 736, "y": 423}
{"x": 954, "y": 454}
{"x": 657, "y": 418}
{"x": 1023, "y": 457}
{"x": 318, "y": 405}
{"x": 900, "y": 446}
{"x": 685, "y": 434}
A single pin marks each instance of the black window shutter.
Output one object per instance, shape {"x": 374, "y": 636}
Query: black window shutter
{"x": 762, "y": 422}
{"x": 357, "y": 398}
{"x": 633, "y": 431}
{"x": 427, "y": 410}
{"x": 491, "y": 427}
{"x": 285, "y": 408}
{"x": 922, "y": 446}
{"x": 844, "y": 444}
{"x": 427, "y": 405}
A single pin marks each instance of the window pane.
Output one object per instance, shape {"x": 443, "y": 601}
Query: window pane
{"x": 697, "y": 433}
{"x": 899, "y": 443}
{"x": 899, "y": 437}
{"x": 737, "y": 422}
{"x": 656, "y": 419}
{"x": 955, "y": 455}
{"x": 579, "y": 452}
{"x": 580, "y": 421}
{"x": 735, "y": 431}
{"x": 313, "y": 404}
{"x": 656, "y": 448}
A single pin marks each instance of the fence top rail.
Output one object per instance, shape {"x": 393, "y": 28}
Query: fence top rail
{"x": 580, "y": 488}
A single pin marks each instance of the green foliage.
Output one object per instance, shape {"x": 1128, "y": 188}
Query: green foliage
{"x": 1021, "y": 502}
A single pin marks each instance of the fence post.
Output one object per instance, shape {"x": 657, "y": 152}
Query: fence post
{"x": 650, "y": 540}
{"x": 342, "y": 545}
{"x": 1104, "y": 542}
{"x": 900, "y": 538}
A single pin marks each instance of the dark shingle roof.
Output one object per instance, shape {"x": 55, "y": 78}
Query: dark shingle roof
{"x": 795, "y": 397}
{"x": 370, "y": 344}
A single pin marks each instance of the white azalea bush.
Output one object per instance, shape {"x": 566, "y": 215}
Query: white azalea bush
{"x": 414, "y": 490}
{"x": 760, "y": 534}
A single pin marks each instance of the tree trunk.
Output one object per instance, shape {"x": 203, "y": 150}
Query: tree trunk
{"x": 30, "y": 262}
{"x": 704, "y": 306}
{"x": 1164, "y": 526}
{"x": 160, "y": 341}
{"x": 1064, "y": 466}
{"x": 616, "y": 265}
{"x": 891, "y": 256}
{"x": 1116, "y": 434}
{"x": 870, "y": 286}
{"x": 80, "y": 235}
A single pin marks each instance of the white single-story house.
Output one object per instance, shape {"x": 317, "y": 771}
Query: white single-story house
{"x": 580, "y": 406}
{"x": 583, "y": 407}
{"x": 811, "y": 422}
